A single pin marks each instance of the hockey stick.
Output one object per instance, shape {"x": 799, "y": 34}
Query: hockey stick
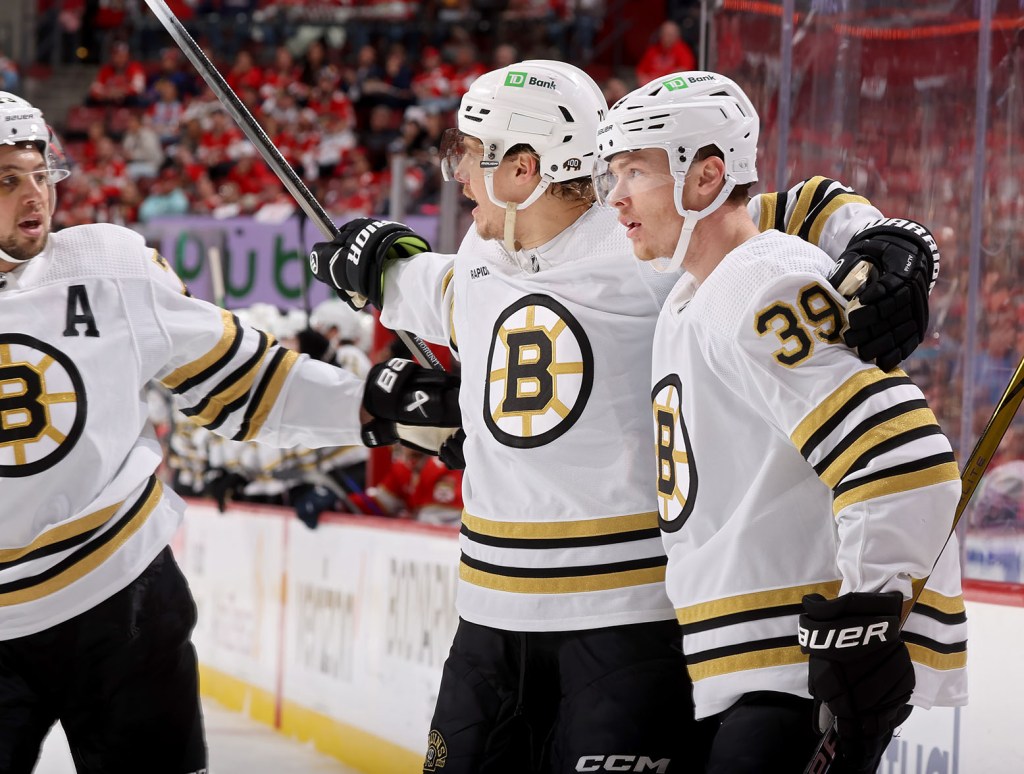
{"x": 302, "y": 195}
{"x": 974, "y": 469}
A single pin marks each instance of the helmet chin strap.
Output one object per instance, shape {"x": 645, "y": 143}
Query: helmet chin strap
{"x": 690, "y": 219}
{"x": 8, "y": 258}
{"x": 509, "y": 239}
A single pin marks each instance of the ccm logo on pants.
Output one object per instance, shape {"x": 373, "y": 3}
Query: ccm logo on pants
{"x": 621, "y": 763}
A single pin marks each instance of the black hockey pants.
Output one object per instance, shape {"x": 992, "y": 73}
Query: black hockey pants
{"x": 121, "y": 678}
{"x": 767, "y": 732}
{"x": 610, "y": 699}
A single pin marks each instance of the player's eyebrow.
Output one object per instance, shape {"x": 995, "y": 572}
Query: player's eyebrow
{"x": 17, "y": 168}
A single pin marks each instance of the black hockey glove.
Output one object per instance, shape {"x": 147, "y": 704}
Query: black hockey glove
{"x": 353, "y": 262}
{"x": 415, "y": 406}
{"x": 223, "y": 485}
{"x": 887, "y": 272}
{"x": 860, "y": 669}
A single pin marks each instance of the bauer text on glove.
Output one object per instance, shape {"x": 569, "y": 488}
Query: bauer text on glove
{"x": 353, "y": 262}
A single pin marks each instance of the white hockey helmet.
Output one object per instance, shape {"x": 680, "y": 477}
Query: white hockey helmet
{"x": 552, "y": 107}
{"x": 263, "y": 316}
{"x": 681, "y": 114}
{"x": 335, "y": 313}
{"x": 21, "y": 122}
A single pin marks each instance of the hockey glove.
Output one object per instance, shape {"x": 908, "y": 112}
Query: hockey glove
{"x": 415, "y": 406}
{"x": 860, "y": 669}
{"x": 353, "y": 262}
{"x": 887, "y": 272}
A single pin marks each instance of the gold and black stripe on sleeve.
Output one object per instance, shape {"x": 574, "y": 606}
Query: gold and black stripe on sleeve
{"x": 561, "y": 536}
{"x": 233, "y": 392}
{"x": 743, "y": 656}
{"x": 879, "y": 434}
{"x": 746, "y": 609}
{"x": 88, "y": 557}
{"x": 186, "y": 377}
{"x": 944, "y": 610}
{"x": 453, "y": 339}
{"x": 754, "y": 606}
{"x": 266, "y": 394}
{"x": 773, "y": 211}
{"x": 818, "y": 202}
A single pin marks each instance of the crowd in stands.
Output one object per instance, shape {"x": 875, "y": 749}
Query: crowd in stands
{"x": 151, "y": 138}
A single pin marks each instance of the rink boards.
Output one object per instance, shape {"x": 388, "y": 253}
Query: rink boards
{"x": 337, "y": 636}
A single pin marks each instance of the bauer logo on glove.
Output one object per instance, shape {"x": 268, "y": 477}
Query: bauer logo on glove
{"x": 368, "y": 246}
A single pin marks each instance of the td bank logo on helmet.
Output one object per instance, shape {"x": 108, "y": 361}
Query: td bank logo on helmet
{"x": 675, "y": 84}
{"x": 519, "y": 80}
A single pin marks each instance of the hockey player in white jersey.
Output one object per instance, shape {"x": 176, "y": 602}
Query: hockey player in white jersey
{"x": 802, "y": 492}
{"x": 95, "y": 617}
{"x": 567, "y": 643}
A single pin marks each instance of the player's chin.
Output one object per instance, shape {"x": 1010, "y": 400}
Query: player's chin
{"x": 644, "y": 252}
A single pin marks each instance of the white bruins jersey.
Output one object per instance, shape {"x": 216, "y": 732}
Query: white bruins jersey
{"x": 560, "y": 528}
{"x": 786, "y": 467}
{"x": 87, "y": 324}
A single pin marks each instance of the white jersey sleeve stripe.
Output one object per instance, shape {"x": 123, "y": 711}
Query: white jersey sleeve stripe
{"x": 932, "y": 654}
{"x": 213, "y": 409}
{"x": 877, "y": 435}
{"x": 696, "y": 617}
{"x": 934, "y": 604}
{"x": 190, "y": 374}
{"x": 828, "y": 414}
{"x": 754, "y": 655}
{"x": 835, "y": 200}
{"x": 891, "y": 484}
{"x": 266, "y": 394}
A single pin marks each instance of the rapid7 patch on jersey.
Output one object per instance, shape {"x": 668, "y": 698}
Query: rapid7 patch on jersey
{"x": 813, "y": 317}
{"x": 677, "y": 473}
{"x": 540, "y": 373}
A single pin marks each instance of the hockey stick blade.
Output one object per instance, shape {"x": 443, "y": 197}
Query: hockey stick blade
{"x": 970, "y": 477}
{"x": 271, "y": 155}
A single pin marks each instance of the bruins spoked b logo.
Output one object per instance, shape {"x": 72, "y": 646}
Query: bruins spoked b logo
{"x": 541, "y": 371}
{"x": 677, "y": 472}
{"x": 437, "y": 752}
{"x": 42, "y": 405}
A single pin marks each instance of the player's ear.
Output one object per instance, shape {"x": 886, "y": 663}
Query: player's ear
{"x": 712, "y": 173}
{"x": 527, "y": 167}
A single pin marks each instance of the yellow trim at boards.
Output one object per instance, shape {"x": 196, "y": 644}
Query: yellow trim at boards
{"x": 352, "y": 746}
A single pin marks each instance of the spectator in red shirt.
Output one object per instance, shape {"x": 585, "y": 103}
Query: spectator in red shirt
{"x": 432, "y": 83}
{"x": 467, "y": 68}
{"x": 328, "y": 97}
{"x": 256, "y": 184}
{"x": 669, "y": 53}
{"x": 218, "y": 143}
{"x": 283, "y": 74}
{"x": 119, "y": 83}
{"x": 244, "y": 72}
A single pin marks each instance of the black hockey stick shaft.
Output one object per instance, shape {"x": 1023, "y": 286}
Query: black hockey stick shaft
{"x": 271, "y": 155}
{"x": 970, "y": 477}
